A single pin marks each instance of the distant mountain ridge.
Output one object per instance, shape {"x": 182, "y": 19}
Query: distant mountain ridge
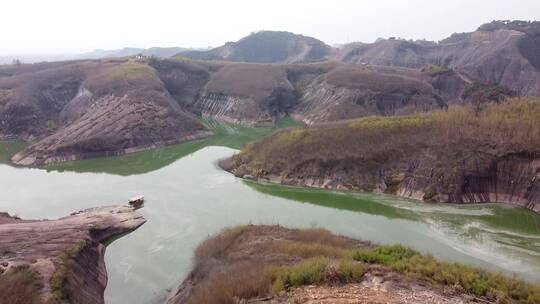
{"x": 502, "y": 52}
{"x": 161, "y": 52}
{"x": 124, "y": 52}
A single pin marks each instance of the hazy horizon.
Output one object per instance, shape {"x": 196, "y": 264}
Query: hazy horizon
{"x": 74, "y": 26}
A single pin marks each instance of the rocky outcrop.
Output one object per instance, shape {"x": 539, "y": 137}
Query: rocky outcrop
{"x": 251, "y": 94}
{"x": 511, "y": 179}
{"x": 67, "y": 254}
{"x": 232, "y": 109}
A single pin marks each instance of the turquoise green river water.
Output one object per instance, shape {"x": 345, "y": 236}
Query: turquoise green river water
{"x": 189, "y": 198}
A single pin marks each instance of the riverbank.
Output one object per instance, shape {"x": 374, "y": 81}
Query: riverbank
{"x": 53, "y": 261}
{"x": 41, "y": 154}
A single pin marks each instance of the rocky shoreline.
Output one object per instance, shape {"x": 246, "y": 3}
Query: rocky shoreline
{"x": 503, "y": 189}
{"x": 405, "y": 191}
{"x": 36, "y": 156}
{"x": 64, "y": 258}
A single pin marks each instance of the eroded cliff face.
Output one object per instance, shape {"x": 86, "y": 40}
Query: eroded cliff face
{"x": 352, "y": 92}
{"x": 232, "y": 109}
{"x": 511, "y": 179}
{"x": 139, "y": 124}
{"x": 250, "y": 94}
{"x": 67, "y": 254}
{"x": 30, "y": 100}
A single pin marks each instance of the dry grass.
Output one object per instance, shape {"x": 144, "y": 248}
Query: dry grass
{"x": 244, "y": 280}
{"x": 237, "y": 264}
{"x": 118, "y": 77}
{"x": 500, "y": 129}
{"x": 471, "y": 280}
{"x": 217, "y": 246}
{"x": 248, "y": 80}
{"x": 19, "y": 286}
{"x": 306, "y": 250}
{"x": 250, "y": 262}
{"x": 366, "y": 79}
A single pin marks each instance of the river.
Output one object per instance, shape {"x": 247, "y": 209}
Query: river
{"x": 189, "y": 198}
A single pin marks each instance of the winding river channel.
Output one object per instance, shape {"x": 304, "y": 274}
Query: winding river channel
{"x": 189, "y": 198}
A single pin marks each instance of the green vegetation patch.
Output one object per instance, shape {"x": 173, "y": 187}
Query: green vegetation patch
{"x": 60, "y": 279}
{"x": 306, "y": 273}
{"x": 132, "y": 70}
{"x": 435, "y": 70}
{"x": 10, "y": 148}
{"x": 487, "y": 92}
{"x": 471, "y": 280}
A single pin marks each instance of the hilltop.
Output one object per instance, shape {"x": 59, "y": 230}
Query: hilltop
{"x": 267, "y": 47}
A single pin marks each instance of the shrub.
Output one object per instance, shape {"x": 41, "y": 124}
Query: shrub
{"x": 19, "y": 285}
{"x": 474, "y": 281}
{"x": 218, "y": 245}
{"x": 435, "y": 70}
{"x": 351, "y": 271}
{"x": 310, "y": 271}
{"x": 244, "y": 280}
{"x": 308, "y": 250}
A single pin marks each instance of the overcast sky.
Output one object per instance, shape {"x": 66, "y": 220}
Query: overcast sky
{"x": 60, "y": 26}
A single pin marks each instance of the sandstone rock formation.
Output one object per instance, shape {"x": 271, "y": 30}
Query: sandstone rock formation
{"x": 88, "y": 109}
{"x": 65, "y": 255}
